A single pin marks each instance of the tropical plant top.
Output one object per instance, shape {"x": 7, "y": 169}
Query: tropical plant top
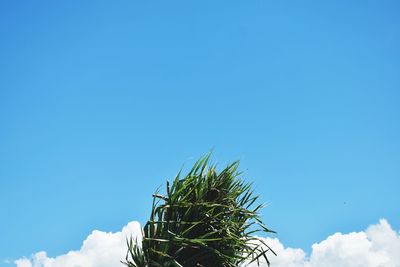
{"x": 206, "y": 218}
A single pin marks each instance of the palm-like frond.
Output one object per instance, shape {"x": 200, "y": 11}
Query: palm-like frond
{"x": 205, "y": 219}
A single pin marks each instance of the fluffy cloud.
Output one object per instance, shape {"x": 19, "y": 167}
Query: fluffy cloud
{"x": 378, "y": 246}
{"x": 100, "y": 249}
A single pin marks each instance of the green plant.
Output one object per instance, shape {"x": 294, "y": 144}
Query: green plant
{"x": 205, "y": 219}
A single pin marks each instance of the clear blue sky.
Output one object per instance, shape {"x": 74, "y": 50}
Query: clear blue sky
{"x": 102, "y": 101}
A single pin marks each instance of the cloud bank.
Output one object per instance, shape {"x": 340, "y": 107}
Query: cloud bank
{"x": 100, "y": 249}
{"x": 377, "y": 246}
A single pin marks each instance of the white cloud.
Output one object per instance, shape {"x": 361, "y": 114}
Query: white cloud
{"x": 100, "y": 249}
{"x": 378, "y": 246}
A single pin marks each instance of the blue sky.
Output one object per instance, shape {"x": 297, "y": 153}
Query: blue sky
{"x": 102, "y": 101}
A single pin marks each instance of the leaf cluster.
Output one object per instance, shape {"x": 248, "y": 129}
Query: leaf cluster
{"x": 206, "y": 218}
